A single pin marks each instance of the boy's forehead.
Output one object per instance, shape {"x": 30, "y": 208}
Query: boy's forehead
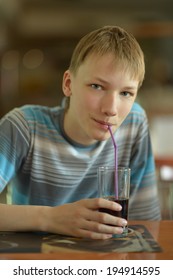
{"x": 96, "y": 61}
{"x": 103, "y": 67}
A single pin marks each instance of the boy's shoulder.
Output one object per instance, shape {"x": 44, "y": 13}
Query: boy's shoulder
{"x": 36, "y": 111}
{"x": 137, "y": 111}
{"x": 33, "y": 114}
{"x": 137, "y": 108}
{"x": 136, "y": 116}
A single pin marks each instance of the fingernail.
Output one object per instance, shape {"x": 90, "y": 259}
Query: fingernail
{"x": 119, "y": 207}
{"x": 124, "y": 223}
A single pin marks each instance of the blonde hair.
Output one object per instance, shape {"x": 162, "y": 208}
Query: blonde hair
{"x": 111, "y": 39}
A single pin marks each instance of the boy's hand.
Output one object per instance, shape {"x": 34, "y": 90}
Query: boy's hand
{"x": 83, "y": 219}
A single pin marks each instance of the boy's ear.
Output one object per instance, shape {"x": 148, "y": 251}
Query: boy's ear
{"x": 66, "y": 83}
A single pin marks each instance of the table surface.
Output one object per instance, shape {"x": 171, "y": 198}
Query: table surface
{"x": 161, "y": 231}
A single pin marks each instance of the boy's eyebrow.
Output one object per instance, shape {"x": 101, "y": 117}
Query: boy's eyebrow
{"x": 105, "y": 82}
{"x": 129, "y": 88}
{"x": 101, "y": 80}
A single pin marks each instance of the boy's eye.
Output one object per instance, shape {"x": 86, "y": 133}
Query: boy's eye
{"x": 126, "y": 94}
{"x": 96, "y": 86}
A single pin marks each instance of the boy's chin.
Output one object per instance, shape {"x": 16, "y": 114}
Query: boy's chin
{"x": 102, "y": 138}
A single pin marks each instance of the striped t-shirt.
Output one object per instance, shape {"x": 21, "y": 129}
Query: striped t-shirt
{"x": 43, "y": 167}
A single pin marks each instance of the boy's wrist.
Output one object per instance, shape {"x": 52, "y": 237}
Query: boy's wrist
{"x": 44, "y": 218}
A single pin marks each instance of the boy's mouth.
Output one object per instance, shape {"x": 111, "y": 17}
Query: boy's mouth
{"x": 103, "y": 123}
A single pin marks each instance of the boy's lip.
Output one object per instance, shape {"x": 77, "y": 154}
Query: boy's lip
{"x": 104, "y": 123}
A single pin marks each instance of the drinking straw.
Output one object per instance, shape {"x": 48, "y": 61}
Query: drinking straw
{"x": 116, "y": 162}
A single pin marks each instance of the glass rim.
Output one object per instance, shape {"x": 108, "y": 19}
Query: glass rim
{"x": 112, "y": 168}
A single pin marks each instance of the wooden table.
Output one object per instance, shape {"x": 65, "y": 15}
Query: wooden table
{"x": 161, "y": 231}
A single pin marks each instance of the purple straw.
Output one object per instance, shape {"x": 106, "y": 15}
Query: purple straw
{"x": 116, "y": 162}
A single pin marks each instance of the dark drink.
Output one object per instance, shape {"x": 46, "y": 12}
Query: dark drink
{"x": 121, "y": 214}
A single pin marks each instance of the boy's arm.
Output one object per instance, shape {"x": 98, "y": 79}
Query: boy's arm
{"x": 21, "y": 217}
{"x": 144, "y": 203}
{"x": 81, "y": 219}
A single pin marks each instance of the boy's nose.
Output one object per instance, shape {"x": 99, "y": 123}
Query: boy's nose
{"x": 109, "y": 106}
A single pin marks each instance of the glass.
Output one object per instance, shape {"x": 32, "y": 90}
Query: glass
{"x": 114, "y": 185}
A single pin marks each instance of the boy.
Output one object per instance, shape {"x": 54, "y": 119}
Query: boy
{"x": 50, "y": 156}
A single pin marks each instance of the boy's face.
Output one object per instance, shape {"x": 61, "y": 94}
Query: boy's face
{"x": 101, "y": 93}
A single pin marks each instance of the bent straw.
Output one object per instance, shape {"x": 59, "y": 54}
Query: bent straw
{"x": 116, "y": 162}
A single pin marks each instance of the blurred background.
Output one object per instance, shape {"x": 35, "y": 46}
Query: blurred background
{"x": 37, "y": 38}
